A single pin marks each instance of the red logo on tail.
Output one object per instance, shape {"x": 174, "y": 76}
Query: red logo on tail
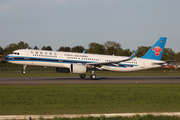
{"x": 157, "y": 50}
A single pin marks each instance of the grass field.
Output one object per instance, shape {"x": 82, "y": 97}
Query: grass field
{"x": 98, "y": 73}
{"x": 147, "y": 117}
{"x": 74, "y": 99}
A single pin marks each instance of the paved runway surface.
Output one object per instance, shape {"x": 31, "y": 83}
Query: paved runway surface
{"x": 100, "y": 80}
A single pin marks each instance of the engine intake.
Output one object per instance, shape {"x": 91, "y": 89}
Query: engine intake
{"x": 78, "y": 68}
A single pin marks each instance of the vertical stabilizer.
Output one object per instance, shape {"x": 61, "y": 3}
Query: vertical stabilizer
{"x": 156, "y": 51}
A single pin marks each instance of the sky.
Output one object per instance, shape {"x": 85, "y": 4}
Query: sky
{"x": 56, "y": 23}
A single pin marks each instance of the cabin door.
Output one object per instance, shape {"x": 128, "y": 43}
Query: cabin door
{"x": 142, "y": 64}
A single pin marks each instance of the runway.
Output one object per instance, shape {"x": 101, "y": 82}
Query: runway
{"x": 100, "y": 80}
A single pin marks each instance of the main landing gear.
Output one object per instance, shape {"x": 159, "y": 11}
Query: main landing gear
{"x": 82, "y": 76}
{"x": 24, "y": 69}
{"x": 92, "y": 76}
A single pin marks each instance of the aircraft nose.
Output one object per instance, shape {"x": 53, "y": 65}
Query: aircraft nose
{"x": 8, "y": 58}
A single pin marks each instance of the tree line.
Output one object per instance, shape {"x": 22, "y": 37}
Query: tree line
{"x": 108, "y": 48}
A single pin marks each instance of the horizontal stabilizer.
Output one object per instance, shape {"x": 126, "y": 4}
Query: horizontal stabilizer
{"x": 160, "y": 63}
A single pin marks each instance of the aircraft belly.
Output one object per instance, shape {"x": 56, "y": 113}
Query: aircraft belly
{"x": 24, "y": 63}
{"x": 14, "y": 62}
{"x": 35, "y": 63}
{"x": 124, "y": 69}
{"x": 48, "y": 64}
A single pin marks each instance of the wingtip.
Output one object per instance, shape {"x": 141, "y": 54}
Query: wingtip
{"x": 133, "y": 55}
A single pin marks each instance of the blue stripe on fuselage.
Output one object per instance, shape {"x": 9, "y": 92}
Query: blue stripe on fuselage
{"x": 65, "y": 61}
{"x": 38, "y": 59}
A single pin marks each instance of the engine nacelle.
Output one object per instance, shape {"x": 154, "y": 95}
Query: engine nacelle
{"x": 62, "y": 70}
{"x": 78, "y": 68}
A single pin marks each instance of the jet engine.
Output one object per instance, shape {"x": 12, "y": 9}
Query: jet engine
{"x": 78, "y": 68}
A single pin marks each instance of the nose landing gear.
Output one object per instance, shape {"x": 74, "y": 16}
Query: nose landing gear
{"x": 24, "y": 69}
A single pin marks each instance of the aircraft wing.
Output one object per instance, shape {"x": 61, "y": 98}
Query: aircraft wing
{"x": 113, "y": 62}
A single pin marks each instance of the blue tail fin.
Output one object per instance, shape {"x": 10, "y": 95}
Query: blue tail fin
{"x": 156, "y": 51}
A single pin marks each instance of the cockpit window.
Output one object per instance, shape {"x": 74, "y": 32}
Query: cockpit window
{"x": 15, "y": 53}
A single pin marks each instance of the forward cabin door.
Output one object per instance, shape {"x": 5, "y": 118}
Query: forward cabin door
{"x": 26, "y": 55}
{"x": 60, "y": 57}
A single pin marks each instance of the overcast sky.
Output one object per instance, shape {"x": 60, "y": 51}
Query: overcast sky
{"x": 57, "y": 23}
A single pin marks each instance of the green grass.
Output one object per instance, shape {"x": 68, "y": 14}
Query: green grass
{"x": 84, "y": 99}
{"x": 98, "y": 73}
{"x": 146, "y": 117}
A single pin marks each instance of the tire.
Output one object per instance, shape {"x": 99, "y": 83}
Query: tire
{"x": 93, "y": 76}
{"x": 82, "y": 76}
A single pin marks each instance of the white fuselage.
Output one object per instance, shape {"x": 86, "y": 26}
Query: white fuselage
{"x": 65, "y": 59}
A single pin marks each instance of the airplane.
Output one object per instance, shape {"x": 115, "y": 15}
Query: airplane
{"x": 80, "y": 63}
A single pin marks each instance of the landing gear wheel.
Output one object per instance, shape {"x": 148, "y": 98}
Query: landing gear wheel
{"x": 82, "y": 76}
{"x": 93, "y": 76}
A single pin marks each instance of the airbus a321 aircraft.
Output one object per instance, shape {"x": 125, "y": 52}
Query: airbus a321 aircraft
{"x": 80, "y": 63}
